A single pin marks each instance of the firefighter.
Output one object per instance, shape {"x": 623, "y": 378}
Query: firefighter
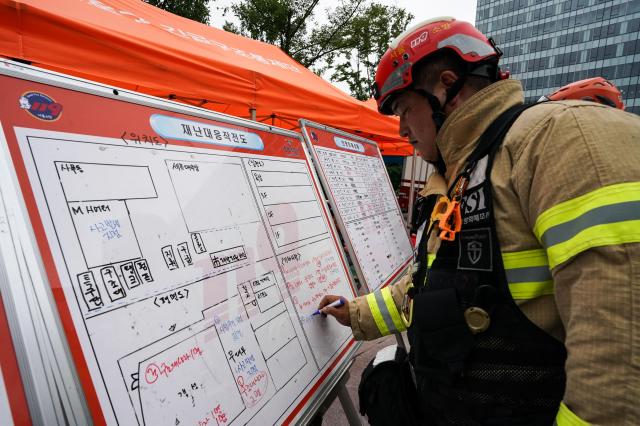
{"x": 596, "y": 89}
{"x": 524, "y": 306}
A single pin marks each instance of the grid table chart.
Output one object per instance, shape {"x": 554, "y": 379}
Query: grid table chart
{"x": 366, "y": 203}
{"x": 288, "y": 201}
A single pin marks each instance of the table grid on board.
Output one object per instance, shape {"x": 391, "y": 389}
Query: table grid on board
{"x": 366, "y": 203}
{"x": 358, "y": 184}
{"x": 289, "y": 203}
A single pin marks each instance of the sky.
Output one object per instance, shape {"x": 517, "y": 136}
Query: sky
{"x": 421, "y": 9}
{"x": 464, "y": 10}
{"x": 425, "y": 9}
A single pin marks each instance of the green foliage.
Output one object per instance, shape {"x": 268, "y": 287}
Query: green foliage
{"x": 291, "y": 25}
{"x": 346, "y": 47}
{"x": 370, "y": 34}
{"x": 197, "y": 10}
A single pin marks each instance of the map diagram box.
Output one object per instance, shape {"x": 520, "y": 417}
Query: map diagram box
{"x": 196, "y": 199}
{"x": 86, "y": 181}
{"x": 284, "y": 363}
{"x": 228, "y": 257}
{"x": 105, "y": 232}
{"x": 274, "y": 335}
{"x": 180, "y": 377}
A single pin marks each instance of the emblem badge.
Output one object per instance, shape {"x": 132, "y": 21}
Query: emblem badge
{"x": 40, "y": 106}
{"x": 474, "y": 251}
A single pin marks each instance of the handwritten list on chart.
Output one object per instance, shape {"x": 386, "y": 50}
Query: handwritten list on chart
{"x": 366, "y": 202}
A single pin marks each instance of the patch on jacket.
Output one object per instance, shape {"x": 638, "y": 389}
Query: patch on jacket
{"x": 475, "y": 250}
{"x": 474, "y": 206}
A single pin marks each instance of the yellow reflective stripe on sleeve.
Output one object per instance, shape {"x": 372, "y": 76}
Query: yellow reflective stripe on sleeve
{"x": 571, "y": 209}
{"x": 596, "y": 236}
{"x": 430, "y": 259}
{"x": 607, "y": 216}
{"x": 377, "y": 316}
{"x": 392, "y": 310}
{"x": 528, "y": 274}
{"x": 528, "y": 291}
{"x": 525, "y": 259}
{"x": 566, "y": 417}
{"x": 384, "y": 312}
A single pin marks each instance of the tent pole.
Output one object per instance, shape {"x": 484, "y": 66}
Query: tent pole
{"x": 252, "y": 114}
{"x": 411, "y": 189}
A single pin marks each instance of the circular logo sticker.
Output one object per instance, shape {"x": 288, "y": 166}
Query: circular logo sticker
{"x": 40, "y": 106}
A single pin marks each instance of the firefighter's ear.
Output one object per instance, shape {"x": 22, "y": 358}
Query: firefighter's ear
{"x": 448, "y": 78}
{"x": 445, "y": 81}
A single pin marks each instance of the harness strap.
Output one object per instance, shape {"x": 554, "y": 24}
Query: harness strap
{"x": 488, "y": 143}
{"x": 492, "y": 138}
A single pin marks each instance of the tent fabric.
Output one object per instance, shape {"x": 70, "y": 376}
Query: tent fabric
{"x": 134, "y": 45}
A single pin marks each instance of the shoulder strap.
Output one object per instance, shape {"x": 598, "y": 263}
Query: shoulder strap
{"x": 492, "y": 138}
{"x": 488, "y": 143}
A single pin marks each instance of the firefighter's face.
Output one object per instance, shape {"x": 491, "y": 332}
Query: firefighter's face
{"x": 416, "y": 123}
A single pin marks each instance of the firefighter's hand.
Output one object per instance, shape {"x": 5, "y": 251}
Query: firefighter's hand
{"x": 341, "y": 313}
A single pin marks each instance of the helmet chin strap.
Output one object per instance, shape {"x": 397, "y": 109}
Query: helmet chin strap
{"x": 438, "y": 115}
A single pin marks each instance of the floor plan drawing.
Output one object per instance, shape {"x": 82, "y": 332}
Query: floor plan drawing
{"x": 190, "y": 275}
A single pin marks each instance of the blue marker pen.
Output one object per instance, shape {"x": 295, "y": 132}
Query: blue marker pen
{"x": 334, "y": 304}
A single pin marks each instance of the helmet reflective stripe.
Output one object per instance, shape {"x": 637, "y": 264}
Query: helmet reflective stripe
{"x": 466, "y": 44}
{"x": 395, "y": 80}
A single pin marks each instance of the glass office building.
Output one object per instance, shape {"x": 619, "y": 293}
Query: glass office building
{"x": 549, "y": 43}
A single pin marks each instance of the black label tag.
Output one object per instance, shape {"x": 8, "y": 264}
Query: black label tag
{"x": 475, "y": 251}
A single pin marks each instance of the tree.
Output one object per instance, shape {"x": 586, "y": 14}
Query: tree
{"x": 370, "y": 34}
{"x": 346, "y": 47}
{"x": 197, "y": 10}
{"x": 287, "y": 23}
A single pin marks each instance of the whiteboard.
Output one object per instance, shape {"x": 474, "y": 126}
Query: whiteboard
{"x": 353, "y": 174}
{"x": 5, "y": 411}
{"x": 185, "y": 251}
{"x": 13, "y": 405}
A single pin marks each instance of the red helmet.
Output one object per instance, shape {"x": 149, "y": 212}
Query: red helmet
{"x": 394, "y": 72}
{"x": 595, "y": 89}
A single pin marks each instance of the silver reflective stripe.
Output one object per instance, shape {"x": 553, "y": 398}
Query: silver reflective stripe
{"x": 528, "y": 275}
{"x": 600, "y": 215}
{"x": 394, "y": 80}
{"x": 466, "y": 44}
{"x": 385, "y": 312}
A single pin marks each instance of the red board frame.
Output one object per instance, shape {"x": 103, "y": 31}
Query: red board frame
{"x": 106, "y": 117}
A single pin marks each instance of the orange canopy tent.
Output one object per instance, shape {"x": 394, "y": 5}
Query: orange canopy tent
{"x": 131, "y": 44}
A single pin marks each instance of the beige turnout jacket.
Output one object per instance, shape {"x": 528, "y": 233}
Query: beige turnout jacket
{"x": 566, "y": 188}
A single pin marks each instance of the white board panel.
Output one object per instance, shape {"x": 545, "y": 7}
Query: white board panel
{"x": 356, "y": 180}
{"x": 5, "y": 412}
{"x": 185, "y": 250}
